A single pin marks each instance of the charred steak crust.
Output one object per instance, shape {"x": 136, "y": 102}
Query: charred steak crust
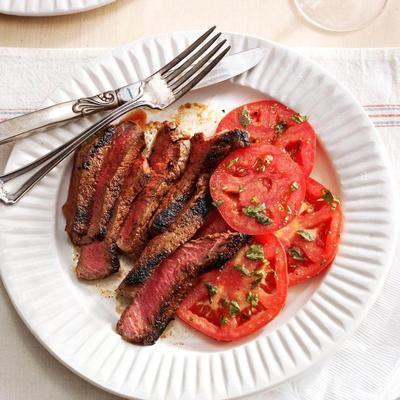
{"x": 131, "y": 148}
{"x": 157, "y": 301}
{"x": 99, "y": 259}
{"x": 160, "y": 247}
{"x": 167, "y": 162}
{"x": 205, "y": 156}
{"x": 83, "y": 178}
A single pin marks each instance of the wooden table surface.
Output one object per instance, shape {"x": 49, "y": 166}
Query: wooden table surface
{"x": 126, "y": 20}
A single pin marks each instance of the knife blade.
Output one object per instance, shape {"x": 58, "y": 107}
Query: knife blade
{"x": 59, "y": 114}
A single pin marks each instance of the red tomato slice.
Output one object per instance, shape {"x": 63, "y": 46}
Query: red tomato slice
{"x": 258, "y": 189}
{"x": 268, "y": 121}
{"x": 241, "y": 298}
{"x": 311, "y": 239}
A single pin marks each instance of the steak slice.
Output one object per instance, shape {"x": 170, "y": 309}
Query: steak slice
{"x": 167, "y": 162}
{"x": 128, "y": 138}
{"x": 204, "y": 157}
{"x": 155, "y": 304}
{"x": 99, "y": 259}
{"x": 214, "y": 223}
{"x": 88, "y": 162}
{"x": 160, "y": 247}
{"x": 133, "y": 147}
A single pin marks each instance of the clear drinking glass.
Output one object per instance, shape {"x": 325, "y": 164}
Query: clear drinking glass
{"x": 340, "y": 15}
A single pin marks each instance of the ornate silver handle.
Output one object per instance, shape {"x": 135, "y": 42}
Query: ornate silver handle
{"x": 56, "y": 115}
{"x": 46, "y": 163}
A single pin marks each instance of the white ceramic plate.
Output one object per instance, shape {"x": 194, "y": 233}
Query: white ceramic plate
{"x": 37, "y": 8}
{"x": 76, "y": 324}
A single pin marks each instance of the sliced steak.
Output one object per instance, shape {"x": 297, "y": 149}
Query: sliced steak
{"x": 160, "y": 247}
{"x": 99, "y": 259}
{"x": 213, "y": 224}
{"x": 155, "y": 304}
{"x": 88, "y": 162}
{"x": 204, "y": 157}
{"x": 131, "y": 149}
{"x": 167, "y": 162}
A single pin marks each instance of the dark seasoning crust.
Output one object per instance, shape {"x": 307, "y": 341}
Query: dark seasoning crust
{"x": 163, "y": 180}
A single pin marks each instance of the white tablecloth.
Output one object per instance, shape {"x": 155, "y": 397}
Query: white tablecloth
{"x": 364, "y": 368}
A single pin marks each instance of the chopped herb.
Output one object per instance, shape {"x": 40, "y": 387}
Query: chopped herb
{"x": 252, "y": 299}
{"x": 224, "y": 302}
{"x": 255, "y": 252}
{"x": 280, "y": 127}
{"x": 296, "y": 253}
{"x": 211, "y": 289}
{"x": 224, "y": 320}
{"x": 254, "y": 199}
{"x": 242, "y": 269}
{"x": 268, "y": 159}
{"x": 241, "y": 188}
{"x": 322, "y": 261}
{"x": 294, "y": 186}
{"x": 256, "y": 212}
{"x": 299, "y": 118}
{"x": 217, "y": 203}
{"x": 328, "y": 197}
{"x": 263, "y": 219}
{"x": 233, "y": 308}
{"x": 244, "y": 117}
{"x": 288, "y": 209}
{"x": 306, "y": 235}
{"x": 251, "y": 211}
{"x": 259, "y": 277}
{"x": 232, "y": 163}
{"x": 261, "y": 168}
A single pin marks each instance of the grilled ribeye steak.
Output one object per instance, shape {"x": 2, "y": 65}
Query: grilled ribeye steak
{"x": 157, "y": 301}
{"x": 167, "y": 162}
{"x": 160, "y": 247}
{"x": 205, "y": 155}
{"x": 98, "y": 190}
{"x": 99, "y": 259}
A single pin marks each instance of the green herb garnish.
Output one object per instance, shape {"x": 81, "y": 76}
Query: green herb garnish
{"x": 296, "y": 253}
{"x": 252, "y": 299}
{"x": 244, "y": 117}
{"x": 224, "y": 320}
{"x": 280, "y": 127}
{"x": 268, "y": 159}
{"x": 242, "y": 269}
{"x": 217, "y": 203}
{"x": 256, "y": 212}
{"x": 294, "y": 186}
{"x": 255, "y": 252}
{"x": 211, "y": 289}
{"x": 259, "y": 277}
{"x": 306, "y": 235}
{"x": 232, "y": 163}
{"x": 299, "y": 118}
{"x": 233, "y": 308}
{"x": 328, "y": 197}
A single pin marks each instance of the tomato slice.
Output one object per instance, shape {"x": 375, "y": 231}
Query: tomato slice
{"x": 311, "y": 239}
{"x": 244, "y": 296}
{"x": 258, "y": 189}
{"x": 214, "y": 223}
{"x": 268, "y": 121}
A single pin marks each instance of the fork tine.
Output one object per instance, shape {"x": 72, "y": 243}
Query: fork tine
{"x": 175, "y": 85}
{"x": 201, "y": 74}
{"x": 186, "y": 52}
{"x": 176, "y": 72}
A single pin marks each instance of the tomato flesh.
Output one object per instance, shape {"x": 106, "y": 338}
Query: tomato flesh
{"x": 272, "y": 122}
{"x": 311, "y": 239}
{"x": 258, "y": 189}
{"x": 241, "y": 298}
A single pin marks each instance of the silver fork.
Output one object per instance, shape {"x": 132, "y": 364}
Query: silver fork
{"x": 158, "y": 91}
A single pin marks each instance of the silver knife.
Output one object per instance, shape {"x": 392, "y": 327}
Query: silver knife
{"x": 28, "y": 124}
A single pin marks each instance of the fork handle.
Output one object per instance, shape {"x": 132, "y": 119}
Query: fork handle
{"x": 25, "y": 125}
{"x": 52, "y": 159}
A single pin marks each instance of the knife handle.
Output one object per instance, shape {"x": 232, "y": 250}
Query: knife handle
{"x": 25, "y": 125}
